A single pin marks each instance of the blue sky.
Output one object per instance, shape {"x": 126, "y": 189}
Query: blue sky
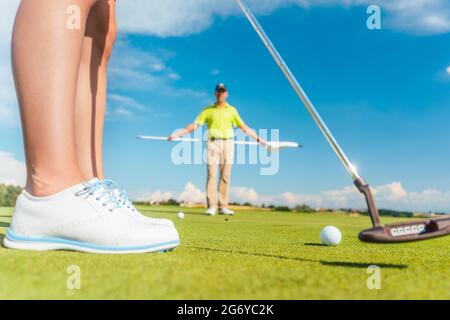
{"x": 384, "y": 93}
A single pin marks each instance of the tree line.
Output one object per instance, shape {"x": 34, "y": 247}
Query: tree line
{"x": 9, "y": 195}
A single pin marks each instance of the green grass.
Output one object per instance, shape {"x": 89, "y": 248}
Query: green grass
{"x": 255, "y": 255}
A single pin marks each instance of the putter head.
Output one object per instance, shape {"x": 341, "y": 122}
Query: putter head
{"x": 407, "y": 231}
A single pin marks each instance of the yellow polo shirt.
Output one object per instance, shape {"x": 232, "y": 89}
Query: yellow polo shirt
{"x": 221, "y": 121}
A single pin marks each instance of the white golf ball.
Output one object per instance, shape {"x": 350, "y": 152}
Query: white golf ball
{"x": 330, "y": 236}
{"x": 180, "y": 215}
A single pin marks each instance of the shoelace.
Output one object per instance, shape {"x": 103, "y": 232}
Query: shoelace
{"x": 120, "y": 194}
{"x": 98, "y": 190}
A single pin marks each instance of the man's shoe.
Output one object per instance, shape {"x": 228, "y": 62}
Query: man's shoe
{"x": 226, "y": 212}
{"x": 211, "y": 212}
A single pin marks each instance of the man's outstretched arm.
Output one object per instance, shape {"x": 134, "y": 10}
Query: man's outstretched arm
{"x": 190, "y": 128}
{"x": 252, "y": 134}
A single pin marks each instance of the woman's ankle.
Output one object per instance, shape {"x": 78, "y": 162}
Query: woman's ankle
{"x": 43, "y": 187}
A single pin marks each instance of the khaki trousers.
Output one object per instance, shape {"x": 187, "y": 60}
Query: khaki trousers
{"x": 219, "y": 155}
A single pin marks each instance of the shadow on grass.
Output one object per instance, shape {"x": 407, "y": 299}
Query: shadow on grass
{"x": 251, "y": 254}
{"x": 362, "y": 265}
{"x": 315, "y": 245}
{"x": 4, "y": 225}
{"x": 2, "y": 237}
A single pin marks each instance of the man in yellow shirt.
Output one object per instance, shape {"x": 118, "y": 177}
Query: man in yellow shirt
{"x": 221, "y": 119}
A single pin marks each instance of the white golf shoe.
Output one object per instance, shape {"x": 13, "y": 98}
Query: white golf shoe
{"x": 211, "y": 212}
{"x": 83, "y": 218}
{"x": 121, "y": 197}
{"x": 226, "y": 212}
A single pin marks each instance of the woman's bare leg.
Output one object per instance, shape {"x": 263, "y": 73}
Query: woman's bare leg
{"x": 46, "y": 60}
{"x": 91, "y": 93}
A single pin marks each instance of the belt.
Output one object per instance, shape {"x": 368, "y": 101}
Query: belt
{"x": 223, "y": 139}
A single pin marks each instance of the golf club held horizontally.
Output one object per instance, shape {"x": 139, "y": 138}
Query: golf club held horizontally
{"x": 271, "y": 145}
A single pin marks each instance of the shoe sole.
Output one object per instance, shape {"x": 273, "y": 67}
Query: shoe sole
{"x": 13, "y": 241}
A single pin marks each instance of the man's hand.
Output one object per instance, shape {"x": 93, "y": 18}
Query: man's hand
{"x": 190, "y": 128}
{"x": 253, "y": 135}
{"x": 262, "y": 142}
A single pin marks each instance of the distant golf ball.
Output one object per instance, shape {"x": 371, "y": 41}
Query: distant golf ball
{"x": 330, "y": 236}
{"x": 180, "y": 215}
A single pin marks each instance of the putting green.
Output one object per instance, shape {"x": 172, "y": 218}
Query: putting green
{"x": 255, "y": 255}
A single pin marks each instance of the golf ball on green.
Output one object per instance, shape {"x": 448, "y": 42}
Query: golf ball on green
{"x": 181, "y": 215}
{"x": 330, "y": 236}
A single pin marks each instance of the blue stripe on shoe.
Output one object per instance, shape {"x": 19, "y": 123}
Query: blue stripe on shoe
{"x": 13, "y": 237}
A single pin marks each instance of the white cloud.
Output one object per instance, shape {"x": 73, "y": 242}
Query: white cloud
{"x": 418, "y": 16}
{"x": 119, "y": 112}
{"x": 244, "y": 194}
{"x": 9, "y": 115}
{"x": 185, "y": 17}
{"x": 8, "y": 12}
{"x": 120, "y": 107}
{"x": 174, "y": 76}
{"x": 192, "y": 194}
{"x": 392, "y": 192}
{"x": 156, "y": 197}
{"x": 126, "y": 101}
{"x": 443, "y": 74}
{"x": 390, "y": 196}
{"x": 134, "y": 69}
{"x": 12, "y": 171}
{"x": 169, "y": 18}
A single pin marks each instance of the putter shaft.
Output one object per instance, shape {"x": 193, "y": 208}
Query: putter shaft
{"x": 359, "y": 182}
